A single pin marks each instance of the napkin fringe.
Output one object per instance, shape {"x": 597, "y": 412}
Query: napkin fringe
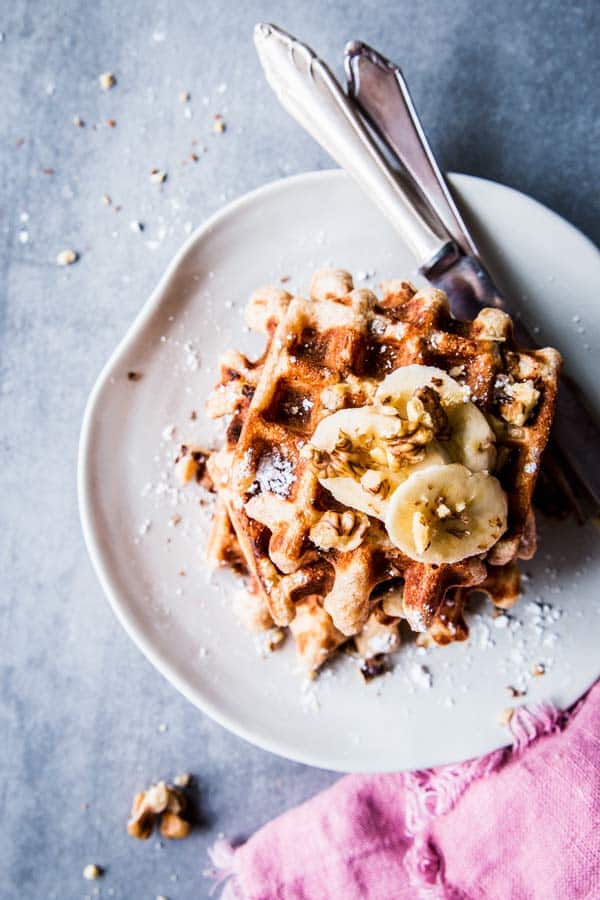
{"x": 223, "y": 870}
{"x": 430, "y": 793}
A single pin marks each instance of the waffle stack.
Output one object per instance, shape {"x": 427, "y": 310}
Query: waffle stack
{"x": 329, "y": 570}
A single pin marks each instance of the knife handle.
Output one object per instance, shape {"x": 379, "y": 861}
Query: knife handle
{"x": 381, "y": 94}
{"x": 311, "y": 94}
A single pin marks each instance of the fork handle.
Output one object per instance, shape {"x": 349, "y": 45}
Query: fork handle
{"x": 311, "y": 94}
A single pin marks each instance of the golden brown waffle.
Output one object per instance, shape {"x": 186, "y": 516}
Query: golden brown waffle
{"x": 330, "y": 352}
{"x": 223, "y": 550}
{"x": 316, "y": 637}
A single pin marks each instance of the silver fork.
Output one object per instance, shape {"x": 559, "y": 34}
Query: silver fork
{"x": 378, "y": 122}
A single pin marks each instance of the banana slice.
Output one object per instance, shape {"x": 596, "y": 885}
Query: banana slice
{"x": 472, "y": 441}
{"x": 399, "y": 386}
{"x": 359, "y": 424}
{"x": 471, "y": 438}
{"x": 366, "y": 481}
{"x": 371, "y": 493}
{"x": 446, "y": 513}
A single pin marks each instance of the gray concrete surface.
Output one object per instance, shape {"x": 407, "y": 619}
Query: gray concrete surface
{"x": 508, "y": 90}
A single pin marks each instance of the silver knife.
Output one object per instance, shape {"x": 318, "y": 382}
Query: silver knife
{"x": 443, "y": 247}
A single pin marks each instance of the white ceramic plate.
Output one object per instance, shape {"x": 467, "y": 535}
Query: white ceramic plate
{"x": 433, "y": 708}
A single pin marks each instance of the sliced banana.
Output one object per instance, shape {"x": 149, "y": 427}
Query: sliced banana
{"x": 446, "y": 513}
{"x": 472, "y": 441}
{"x": 371, "y": 493}
{"x": 399, "y": 386}
{"x": 368, "y": 481}
{"x": 358, "y": 423}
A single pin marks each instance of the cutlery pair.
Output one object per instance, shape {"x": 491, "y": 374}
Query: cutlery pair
{"x": 373, "y": 132}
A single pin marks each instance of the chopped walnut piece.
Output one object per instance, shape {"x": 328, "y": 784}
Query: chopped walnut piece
{"x": 340, "y": 531}
{"x": 515, "y": 692}
{"x": 66, "y": 258}
{"x": 506, "y": 715}
{"x": 160, "y": 799}
{"x": 516, "y": 400}
{"x": 107, "y": 81}
{"x": 92, "y": 872}
{"x": 191, "y": 465}
{"x": 157, "y": 176}
{"x": 182, "y": 780}
{"x": 174, "y": 827}
{"x": 186, "y": 469}
{"x": 492, "y": 325}
{"x": 426, "y": 407}
{"x": 538, "y": 670}
{"x": 374, "y": 667}
{"x": 375, "y": 483}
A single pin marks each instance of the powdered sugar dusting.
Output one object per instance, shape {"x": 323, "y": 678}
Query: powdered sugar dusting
{"x": 275, "y": 473}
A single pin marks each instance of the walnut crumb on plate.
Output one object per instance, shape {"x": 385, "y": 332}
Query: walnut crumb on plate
{"x": 67, "y": 258}
{"x": 107, "y": 81}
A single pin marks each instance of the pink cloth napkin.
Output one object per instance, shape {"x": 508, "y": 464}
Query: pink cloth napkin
{"x": 519, "y": 824}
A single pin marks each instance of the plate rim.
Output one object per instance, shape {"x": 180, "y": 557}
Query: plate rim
{"x": 93, "y": 542}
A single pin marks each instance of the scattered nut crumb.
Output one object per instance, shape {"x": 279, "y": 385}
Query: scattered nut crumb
{"x": 284, "y": 279}
{"x": 275, "y": 638}
{"x": 193, "y": 415}
{"x": 506, "y": 715}
{"x": 194, "y": 157}
{"x": 538, "y": 669}
{"x": 219, "y": 126}
{"x": 157, "y": 176}
{"x": 66, "y": 258}
{"x": 48, "y": 171}
{"x": 186, "y": 469}
{"x": 515, "y": 692}
{"x": 183, "y": 779}
{"x": 78, "y": 122}
{"x": 107, "y": 81}
{"x": 106, "y": 200}
{"x": 134, "y": 376}
{"x": 111, "y": 123}
{"x": 373, "y": 667}
{"x": 92, "y": 871}
{"x": 191, "y": 465}
{"x": 184, "y": 96}
{"x": 174, "y": 520}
